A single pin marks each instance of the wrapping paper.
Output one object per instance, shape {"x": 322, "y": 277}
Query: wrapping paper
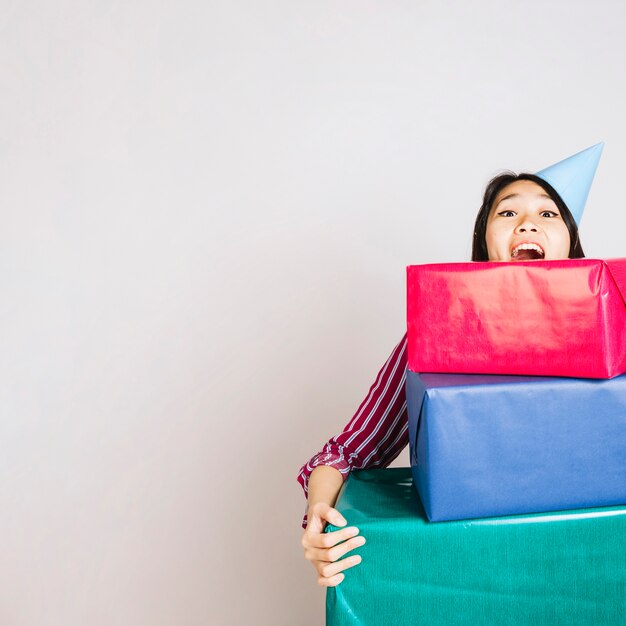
{"x": 545, "y": 318}
{"x": 547, "y": 569}
{"x": 501, "y": 445}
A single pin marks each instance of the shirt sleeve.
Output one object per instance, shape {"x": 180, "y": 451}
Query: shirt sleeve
{"x": 377, "y": 432}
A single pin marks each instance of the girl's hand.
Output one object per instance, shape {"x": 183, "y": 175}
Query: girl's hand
{"x": 325, "y": 549}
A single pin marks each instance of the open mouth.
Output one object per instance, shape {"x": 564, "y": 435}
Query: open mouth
{"x": 527, "y": 252}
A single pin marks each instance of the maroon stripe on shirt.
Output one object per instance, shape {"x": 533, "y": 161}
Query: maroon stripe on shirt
{"x": 376, "y": 433}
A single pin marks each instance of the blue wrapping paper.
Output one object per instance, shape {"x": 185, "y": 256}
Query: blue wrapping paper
{"x": 484, "y": 446}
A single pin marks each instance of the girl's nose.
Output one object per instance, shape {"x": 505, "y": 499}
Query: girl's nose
{"x": 527, "y": 226}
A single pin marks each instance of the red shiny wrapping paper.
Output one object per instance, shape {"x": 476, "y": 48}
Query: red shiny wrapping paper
{"x": 534, "y": 318}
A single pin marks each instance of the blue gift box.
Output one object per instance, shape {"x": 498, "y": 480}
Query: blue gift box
{"x": 485, "y": 446}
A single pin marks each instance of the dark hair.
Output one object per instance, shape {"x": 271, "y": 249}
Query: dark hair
{"x": 495, "y": 186}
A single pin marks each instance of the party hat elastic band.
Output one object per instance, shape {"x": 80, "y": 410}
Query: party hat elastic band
{"x": 572, "y": 178}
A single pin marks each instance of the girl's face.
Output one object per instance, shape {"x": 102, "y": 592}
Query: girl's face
{"x": 524, "y": 224}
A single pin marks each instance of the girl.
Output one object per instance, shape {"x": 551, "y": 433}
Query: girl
{"x": 522, "y": 218}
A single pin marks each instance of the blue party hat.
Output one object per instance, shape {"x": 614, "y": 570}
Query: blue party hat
{"x": 572, "y": 178}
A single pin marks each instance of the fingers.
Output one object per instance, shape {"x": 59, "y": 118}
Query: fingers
{"x": 327, "y": 551}
{"x": 336, "y": 552}
{"x": 334, "y": 517}
{"x": 311, "y": 539}
{"x": 327, "y": 570}
{"x": 330, "y": 582}
{"x": 330, "y": 573}
{"x": 320, "y": 514}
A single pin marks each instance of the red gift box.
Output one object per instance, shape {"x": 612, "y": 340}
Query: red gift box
{"x": 537, "y": 318}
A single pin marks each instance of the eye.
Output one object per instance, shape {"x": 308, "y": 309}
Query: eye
{"x": 507, "y": 213}
{"x": 548, "y": 214}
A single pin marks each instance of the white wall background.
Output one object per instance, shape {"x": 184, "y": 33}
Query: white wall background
{"x": 206, "y": 211}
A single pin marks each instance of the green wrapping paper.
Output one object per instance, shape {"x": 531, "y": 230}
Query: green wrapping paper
{"x": 549, "y": 568}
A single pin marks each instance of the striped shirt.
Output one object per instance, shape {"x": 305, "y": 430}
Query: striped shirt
{"x": 377, "y": 432}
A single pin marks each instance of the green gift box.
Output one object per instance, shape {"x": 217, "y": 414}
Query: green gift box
{"x": 549, "y": 568}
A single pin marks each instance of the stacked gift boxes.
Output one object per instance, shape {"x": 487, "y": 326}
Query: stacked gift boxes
{"x": 517, "y": 424}
{"x": 523, "y": 408}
